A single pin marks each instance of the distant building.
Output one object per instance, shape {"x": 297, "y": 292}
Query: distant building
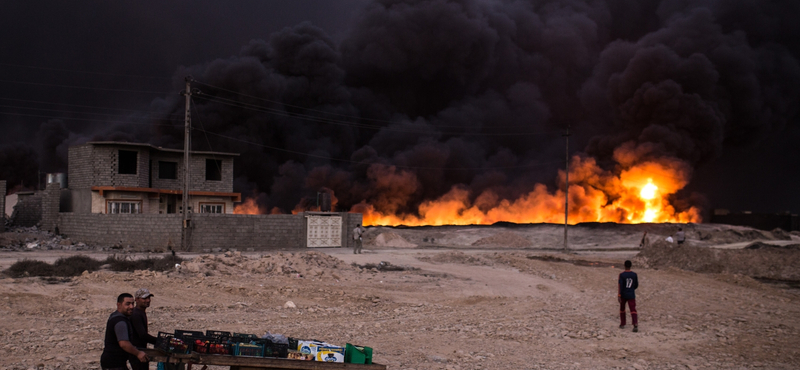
{"x": 762, "y": 221}
{"x": 118, "y": 177}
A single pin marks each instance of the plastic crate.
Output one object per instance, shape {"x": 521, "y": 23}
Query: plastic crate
{"x": 170, "y": 344}
{"x": 357, "y": 354}
{"x": 189, "y": 334}
{"x": 248, "y": 349}
{"x": 218, "y": 334}
{"x": 211, "y": 346}
{"x": 245, "y": 337}
{"x": 279, "y": 350}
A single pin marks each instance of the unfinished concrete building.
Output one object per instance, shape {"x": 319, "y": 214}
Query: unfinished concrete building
{"x": 115, "y": 177}
{"x": 129, "y": 194}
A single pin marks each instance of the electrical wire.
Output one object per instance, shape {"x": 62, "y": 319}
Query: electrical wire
{"x": 87, "y": 72}
{"x": 88, "y": 106}
{"x": 58, "y": 110}
{"x": 328, "y": 113}
{"x": 85, "y": 119}
{"x": 395, "y": 165}
{"x": 86, "y": 87}
{"x": 278, "y": 112}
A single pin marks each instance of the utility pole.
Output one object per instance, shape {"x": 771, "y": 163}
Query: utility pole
{"x": 566, "y": 194}
{"x": 187, "y": 145}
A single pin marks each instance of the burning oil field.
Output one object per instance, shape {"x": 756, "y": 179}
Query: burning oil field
{"x": 445, "y": 112}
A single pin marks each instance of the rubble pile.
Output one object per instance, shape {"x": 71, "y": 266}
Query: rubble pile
{"x": 32, "y": 238}
{"x": 759, "y": 260}
{"x": 297, "y": 264}
{"x": 457, "y": 257}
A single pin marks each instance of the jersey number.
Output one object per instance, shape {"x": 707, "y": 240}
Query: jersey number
{"x": 628, "y": 283}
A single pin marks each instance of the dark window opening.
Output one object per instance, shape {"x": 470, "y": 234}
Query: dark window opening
{"x": 168, "y": 170}
{"x": 128, "y": 161}
{"x": 213, "y": 170}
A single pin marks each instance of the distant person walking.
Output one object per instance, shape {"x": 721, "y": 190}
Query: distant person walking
{"x": 628, "y": 282}
{"x": 140, "y": 336}
{"x": 357, "y": 233}
{"x": 118, "y": 345}
{"x": 680, "y": 236}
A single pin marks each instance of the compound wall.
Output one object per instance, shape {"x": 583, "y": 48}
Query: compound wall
{"x": 208, "y": 231}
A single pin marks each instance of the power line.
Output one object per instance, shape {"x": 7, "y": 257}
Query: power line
{"x": 58, "y": 110}
{"x": 85, "y": 119}
{"x": 358, "y": 162}
{"x": 321, "y": 111}
{"x": 87, "y": 72}
{"x": 279, "y": 112}
{"x": 86, "y": 87}
{"x": 88, "y": 106}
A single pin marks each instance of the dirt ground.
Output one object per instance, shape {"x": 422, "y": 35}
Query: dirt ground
{"x": 498, "y": 298}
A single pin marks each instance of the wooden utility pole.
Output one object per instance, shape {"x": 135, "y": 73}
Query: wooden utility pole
{"x": 187, "y": 146}
{"x": 566, "y": 194}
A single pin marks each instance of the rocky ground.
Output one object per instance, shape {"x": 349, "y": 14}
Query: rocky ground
{"x": 488, "y": 306}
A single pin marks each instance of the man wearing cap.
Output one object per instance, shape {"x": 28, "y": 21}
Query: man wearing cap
{"x": 140, "y": 337}
{"x": 118, "y": 348}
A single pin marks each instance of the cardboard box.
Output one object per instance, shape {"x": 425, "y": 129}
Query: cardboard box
{"x": 330, "y": 354}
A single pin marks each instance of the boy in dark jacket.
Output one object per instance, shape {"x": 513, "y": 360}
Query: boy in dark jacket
{"x": 628, "y": 282}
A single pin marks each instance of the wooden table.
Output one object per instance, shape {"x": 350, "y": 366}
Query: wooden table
{"x": 254, "y": 363}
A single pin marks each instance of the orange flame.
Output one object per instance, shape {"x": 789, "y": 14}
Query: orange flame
{"x": 248, "y": 207}
{"x": 636, "y": 195}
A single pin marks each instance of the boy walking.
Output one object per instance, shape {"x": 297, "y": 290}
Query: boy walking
{"x": 628, "y": 282}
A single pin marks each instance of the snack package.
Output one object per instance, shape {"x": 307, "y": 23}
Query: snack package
{"x": 309, "y": 347}
{"x": 330, "y": 354}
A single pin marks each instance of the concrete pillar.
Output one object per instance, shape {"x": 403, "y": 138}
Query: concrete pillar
{"x": 2, "y": 206}
{"x": 51, "y": 199}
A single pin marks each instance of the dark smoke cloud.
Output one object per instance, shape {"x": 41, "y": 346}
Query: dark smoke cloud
{"x": 419, "y": 96}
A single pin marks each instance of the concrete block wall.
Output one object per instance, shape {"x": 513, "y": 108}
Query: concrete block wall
{"x": 349, "y": 223}
{"x": 80, "y": 173}
{"x": 3, "y": 205}
{"x": 226, "y": 231}
{"x": 260, "y": 232}
{"x": 159, "y": 183}
{"x": 51, "y": 199}
{"x": 28, "y": 211}
{"x": 138, "y": 230}
{"x": 198, "y": 174}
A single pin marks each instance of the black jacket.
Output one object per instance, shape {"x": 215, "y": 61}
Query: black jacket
{"x": 140, "y": 337}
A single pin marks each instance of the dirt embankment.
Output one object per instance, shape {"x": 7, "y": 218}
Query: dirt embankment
{"x": 758, "y": 260}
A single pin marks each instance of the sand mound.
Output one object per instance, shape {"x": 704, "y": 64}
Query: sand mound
{"x": 763, "y": 262}
{"x": 390, "y": 239}
{"x": 506, "y": 239}
{"x": 304, "y": 263}
{"x": 457, "y": 257}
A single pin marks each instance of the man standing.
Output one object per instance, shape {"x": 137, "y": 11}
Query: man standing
{"x": 680, "y": 236}
{"x": 357, "y": 232}
{"x": 628, "y": 282}
{"x": 140, "y": 336}
{"x": 118, "y": 345}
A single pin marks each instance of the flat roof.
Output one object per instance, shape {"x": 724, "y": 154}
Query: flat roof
{"x": 151, "y": 146}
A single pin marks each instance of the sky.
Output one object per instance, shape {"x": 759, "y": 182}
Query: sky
{"x": 395, "y": 104}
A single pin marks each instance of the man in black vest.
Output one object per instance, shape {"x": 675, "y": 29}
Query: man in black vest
{"x": 118, "y": 333}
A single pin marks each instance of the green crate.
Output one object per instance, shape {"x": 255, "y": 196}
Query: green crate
{"x": 357, "y": 354}
{"x": 248, "y": 349}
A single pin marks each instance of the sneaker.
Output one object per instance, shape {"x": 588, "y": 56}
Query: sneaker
{"x": 622, "y": 326}
{"x": 635, "y": 329}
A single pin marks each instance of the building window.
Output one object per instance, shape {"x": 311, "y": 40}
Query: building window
{"x": 212, "y": 208}
{"x": 213, "y": 170}
{"x": 117, "y": 207}
{"x": 128, "y": 161}
{"x": 168, "y": 170}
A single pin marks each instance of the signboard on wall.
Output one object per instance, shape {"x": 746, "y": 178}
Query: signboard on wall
{"x": 323, "y": 231}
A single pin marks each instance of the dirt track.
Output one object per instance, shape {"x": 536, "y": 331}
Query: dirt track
{"x": 469, "y": 309}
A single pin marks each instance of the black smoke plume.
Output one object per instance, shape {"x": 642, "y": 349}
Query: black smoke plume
{"x": 421, "y": 96}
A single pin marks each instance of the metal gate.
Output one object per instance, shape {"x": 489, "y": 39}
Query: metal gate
{"x": 323, "y": 231}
